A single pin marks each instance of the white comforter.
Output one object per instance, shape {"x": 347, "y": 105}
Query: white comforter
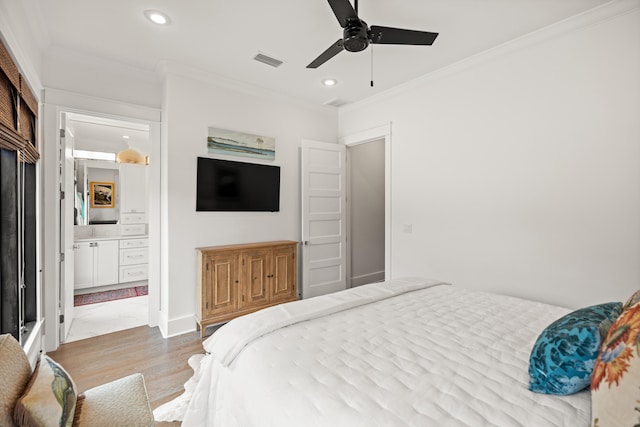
{"x": 407, "y": 352}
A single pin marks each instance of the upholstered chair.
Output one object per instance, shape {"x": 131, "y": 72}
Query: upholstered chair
{"x": 48, "y": 396}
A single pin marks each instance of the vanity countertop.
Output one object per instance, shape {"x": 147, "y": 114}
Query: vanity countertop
{"x": 94, "y": 239}
{"x": 90, "y": 233}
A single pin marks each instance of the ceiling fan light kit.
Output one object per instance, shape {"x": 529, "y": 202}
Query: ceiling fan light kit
{"x": 357, "y": 35}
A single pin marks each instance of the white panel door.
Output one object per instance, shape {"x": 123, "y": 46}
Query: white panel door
{"x": 323, "y": 218}
{"x": 67, "y": 204}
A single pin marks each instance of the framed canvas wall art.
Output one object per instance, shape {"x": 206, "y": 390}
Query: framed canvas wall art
{"x": 102, "y": 194}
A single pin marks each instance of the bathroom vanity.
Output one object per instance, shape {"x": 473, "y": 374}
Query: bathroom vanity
{"x": 110, "y": 240}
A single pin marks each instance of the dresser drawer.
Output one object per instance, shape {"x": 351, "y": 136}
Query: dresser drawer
{"x": 133, "y": 256}
{"x": 132, "y": 218}
{"x": 134, "y": 243}
{"x": 133, "y": 273}
{"x": 133, "y": 229}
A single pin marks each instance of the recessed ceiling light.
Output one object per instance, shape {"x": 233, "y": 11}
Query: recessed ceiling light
{"x": 157, "y": 17}
{"x": 125, "y": 136}
{"x": 329, "y": 82}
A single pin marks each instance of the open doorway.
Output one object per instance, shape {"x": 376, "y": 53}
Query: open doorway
{"x": 103, "y": 223}
{"x": 381, "y": 138}
{"x": 366, "y": 207}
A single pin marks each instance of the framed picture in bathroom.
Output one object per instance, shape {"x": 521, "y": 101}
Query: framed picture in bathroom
{"x": 102, "y": 194}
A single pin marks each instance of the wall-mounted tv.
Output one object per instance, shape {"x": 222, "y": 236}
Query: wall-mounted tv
{"x": 224, "y": 185}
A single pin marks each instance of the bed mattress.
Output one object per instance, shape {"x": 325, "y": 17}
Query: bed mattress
{"x": 407, "y": 352}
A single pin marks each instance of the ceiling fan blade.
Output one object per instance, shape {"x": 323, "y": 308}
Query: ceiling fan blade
{"x": 343, "y": 11}
{"x": 388, "y": 35}
{"x": 332, "y": 51}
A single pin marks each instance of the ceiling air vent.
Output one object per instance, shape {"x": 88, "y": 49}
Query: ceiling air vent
{"x": 335, "y": 102}
{"x": 275, "y": 63}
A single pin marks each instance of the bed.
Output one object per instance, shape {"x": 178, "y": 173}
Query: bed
{"x": 406, "y": 352}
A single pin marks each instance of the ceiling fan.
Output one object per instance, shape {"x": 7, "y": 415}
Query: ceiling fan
{"x": 357, "y": 35}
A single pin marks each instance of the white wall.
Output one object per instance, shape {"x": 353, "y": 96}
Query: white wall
{"x": 22, "y": 42}
{"x": 89, "y": 75}
{"x": 193, "y": 102}
{"x": 519, "y": 169}
{"x": 366, "y": 212}
{"x": 189, "y": 106}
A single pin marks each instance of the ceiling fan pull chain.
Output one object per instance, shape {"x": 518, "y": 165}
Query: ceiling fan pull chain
{"x": 371, "y": 65}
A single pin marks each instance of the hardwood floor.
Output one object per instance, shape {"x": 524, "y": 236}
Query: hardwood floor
{"x": 163, "y": 362}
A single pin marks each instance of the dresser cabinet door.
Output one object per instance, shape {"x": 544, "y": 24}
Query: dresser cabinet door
{"x": 220, "y": 284}
{"x": 255, "y": 278}
{"x": 283, "y": 275}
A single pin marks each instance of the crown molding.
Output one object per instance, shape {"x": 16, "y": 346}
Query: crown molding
{"x": 81, "y": 103}
{"x": 166, "y": 68}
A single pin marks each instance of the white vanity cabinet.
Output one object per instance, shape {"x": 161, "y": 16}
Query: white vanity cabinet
{"x": 133, "y": 190}
{"x": 133, "y": 260}
{"x": 96, "y": 263}
{"x": 83, "y": 265}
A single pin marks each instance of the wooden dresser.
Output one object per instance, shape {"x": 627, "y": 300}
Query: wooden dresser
{"x": 238, "y": 279}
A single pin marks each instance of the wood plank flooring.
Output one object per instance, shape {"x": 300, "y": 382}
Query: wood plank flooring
{"x": 163, "y": 362}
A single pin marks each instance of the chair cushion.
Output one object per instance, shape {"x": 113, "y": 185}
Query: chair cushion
{"x": 49, "y": 399}
{"x": 615, "y": 386}
{"x": 120, "y": 402}
{"x": 15, "y": 371}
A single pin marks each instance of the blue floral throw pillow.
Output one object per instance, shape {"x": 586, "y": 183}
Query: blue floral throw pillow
{"x": 564, "y": 355}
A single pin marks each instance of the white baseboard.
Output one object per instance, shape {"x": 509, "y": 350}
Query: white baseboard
{"x": 33, "y": 346}
{"x": 365, "y": 279}
{"x": 162, "y": 323}
{"x": 179, "y": 326}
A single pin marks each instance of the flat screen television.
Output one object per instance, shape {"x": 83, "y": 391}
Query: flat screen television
{"x": 224, "y": 185}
